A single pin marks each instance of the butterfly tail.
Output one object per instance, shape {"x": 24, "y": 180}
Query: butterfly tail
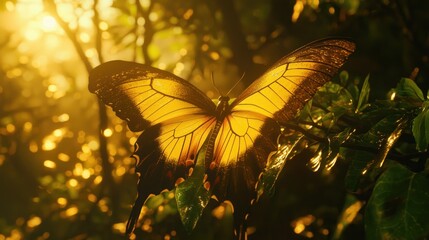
{"x": 135, "y": 214}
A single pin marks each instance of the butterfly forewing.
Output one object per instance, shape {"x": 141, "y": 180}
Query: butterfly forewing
{"x": 283, "y": 89}
{"x": 145, "y": 96}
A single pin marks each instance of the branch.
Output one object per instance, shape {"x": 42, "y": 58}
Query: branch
{"x": 52, "y": 9}
{"x": 148, "y": 30}
{"x": 98, "y": 37}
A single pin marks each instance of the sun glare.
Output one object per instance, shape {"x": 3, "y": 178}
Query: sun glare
{"x": 48, "y": 23}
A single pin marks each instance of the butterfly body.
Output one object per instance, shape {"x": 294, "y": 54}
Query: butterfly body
{"x": 176, "y": 118}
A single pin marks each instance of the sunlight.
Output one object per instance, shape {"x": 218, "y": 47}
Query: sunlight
{"x": 73, "y": 182}
{"x": 34, "y": 222}
{"x": 49, "y": 24}
{"x": 48, "y": 144}
{"x": 107, "y": 132}
{"x": 315, "y": 162}
{"x": 120, "y": 227}
{"x": 49, "y": 164}
{"x": 71, "y": 211}
{"x": 62, "y": 201}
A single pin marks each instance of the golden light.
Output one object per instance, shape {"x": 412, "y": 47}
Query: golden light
{"x": 301, "y": 223}
{"x": 392, "y": 96}
{"x": 34, "y": 222}
{"x": 132, "y": 140}
{"x": 179, "y": 68}
{"x": 73, "y": 182}
{"x": 315, "y": 162}
{"x": 84, "y": 37}
{"x": 118, "y": 128}
{"x": 219, "y": 212}
{"x": 63, "y": 117}
{"x": 71, "y": 211}
{"x": 297, "y": 9}
{"x": 13, "y": 73}
{"x": 78, "y": 168}
{"x": 183, "y": 51}
{"x": 147, "y": 225}
{"x": 93, "y": 145}
{"x": 98, "y": 180}
{"x": 153, "y": 16}
{"x": 10, "y": 6}
{"x": 49, "y": 24}
{"x": 103, "y": 26}
{"x": 92, "y": 197}
{"x": 63, "y": 157}
{"x": 62, "y": 201}
{"x": 299, "y": 228}
{"x": 120, "y": 227}
{"x": 214, "y": 55}
{"x": 107, "y": 132}
{"x": 119, "y": 171}
{"x": 188, "y": 14}
{"x": 102, "y": 204}
{"x": 52, "y": 88}
{"x": 58, "y": 132}
{"x": 90, "y": 53}
{"x": 32, "y": 34}
{"x": 33, "y": 147}
{"x": 86, "y": 173}
{"x": 28, "y": 126}
{"x": 49, "y": 164}
{"x": 10, "y": 128}
{"x": 48, "y": 145}
{"x": 332, "y": 162}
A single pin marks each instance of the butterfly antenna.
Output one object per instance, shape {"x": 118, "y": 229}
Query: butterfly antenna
{"x": 235, "y": 85}
{"x": 214, "y": 84}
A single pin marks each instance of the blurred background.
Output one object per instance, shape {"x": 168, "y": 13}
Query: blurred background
{"x": 61, "y": 178}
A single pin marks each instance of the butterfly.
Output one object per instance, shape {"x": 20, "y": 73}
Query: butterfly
{"x": 176, "y": 118}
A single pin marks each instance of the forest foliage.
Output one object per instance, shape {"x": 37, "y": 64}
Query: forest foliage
{"x": 354, "y": 162}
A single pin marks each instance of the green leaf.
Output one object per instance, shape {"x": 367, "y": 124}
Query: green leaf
{"x": 383, "y": 136}
{"x": 275, "y": 164}
{"x": 191, "y": 195}
{"x": 390, "y": 140}
{"x": 421, "y": 128}
{"x": 399, "y": 205}
{"x": 408, "y": 88}
{"x": 363, "y": 96}
{"x": 161, "y": 206}
{"x": 358, "y": 162}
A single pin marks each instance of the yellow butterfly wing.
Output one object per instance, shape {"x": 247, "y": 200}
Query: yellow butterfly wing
{"x": 175, "y": 117}
{"x": 283, "y": 89}
{"x": 145, "y": 96}
{"x": 248, "y": 134}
